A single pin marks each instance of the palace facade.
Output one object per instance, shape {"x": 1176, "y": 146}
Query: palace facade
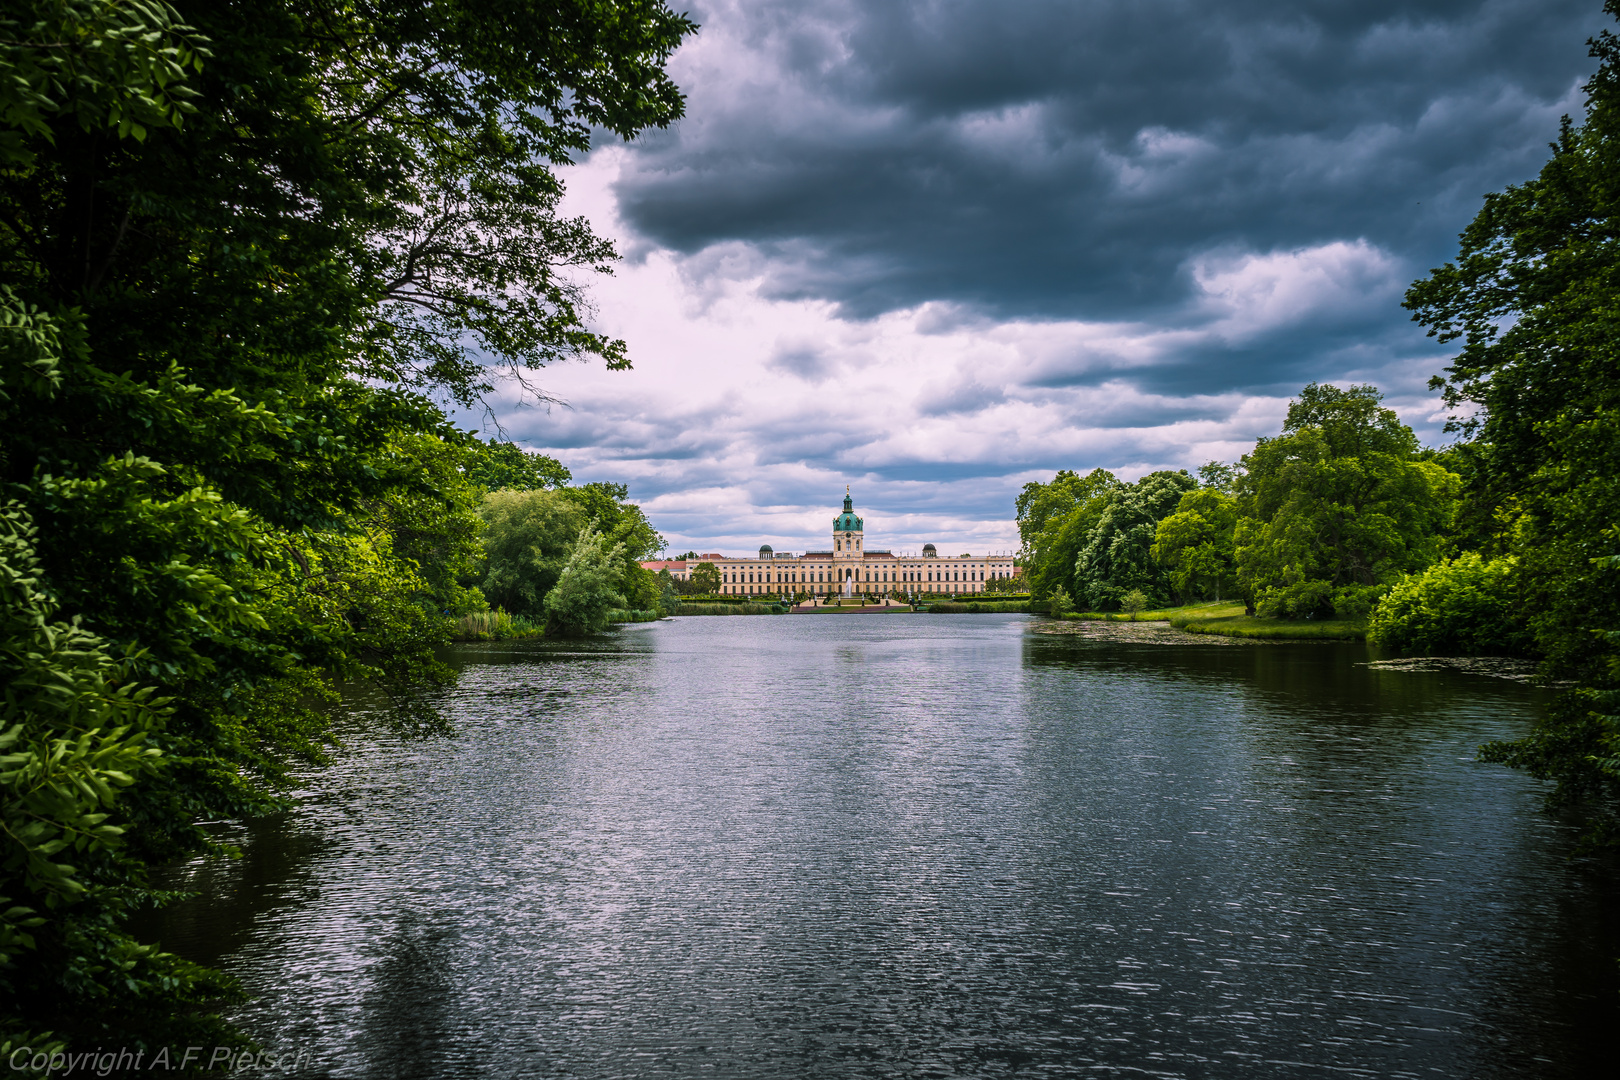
{"x": 848, "y": 569}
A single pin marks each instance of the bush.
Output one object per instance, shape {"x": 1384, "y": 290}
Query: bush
{"x": 1303, "y": 600}
{"x": 1462, "y": 606}
{"x": 1356, "y": 601}
{"x": 1059, "y": 604}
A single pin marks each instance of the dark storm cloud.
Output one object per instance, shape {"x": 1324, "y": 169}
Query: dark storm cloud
{"x": 1067, "y": 160}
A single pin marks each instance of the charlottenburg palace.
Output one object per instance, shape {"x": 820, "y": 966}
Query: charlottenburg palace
{"x": 849, "y": 569}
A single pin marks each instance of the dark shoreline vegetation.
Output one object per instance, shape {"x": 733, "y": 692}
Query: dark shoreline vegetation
{"x": 252, "y": 252}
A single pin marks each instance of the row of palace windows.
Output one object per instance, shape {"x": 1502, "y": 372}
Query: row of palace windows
{"x": 871, "y": 575}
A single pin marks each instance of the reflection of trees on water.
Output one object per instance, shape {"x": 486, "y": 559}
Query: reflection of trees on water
{"x": 405, "y": 1031}
{"x": 233, "y": 894}
{"x": 1318, "y": 812}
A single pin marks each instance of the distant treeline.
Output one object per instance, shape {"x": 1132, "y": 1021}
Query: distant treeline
{"x": 1317, "y": 521}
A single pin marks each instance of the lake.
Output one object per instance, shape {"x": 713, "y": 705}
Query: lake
{"x": 922, "y": 846}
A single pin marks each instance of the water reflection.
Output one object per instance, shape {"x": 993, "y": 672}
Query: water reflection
{"x": 903, "y": 846}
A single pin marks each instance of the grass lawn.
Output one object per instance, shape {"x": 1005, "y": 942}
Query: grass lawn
{"x": 1215, "y": 609}
{"x": 1226, "y": 618}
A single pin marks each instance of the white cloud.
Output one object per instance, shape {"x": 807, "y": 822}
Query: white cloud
{"x": 1252, "y": 293}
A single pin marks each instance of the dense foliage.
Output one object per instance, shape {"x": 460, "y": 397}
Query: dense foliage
{"x": 1530, "y": 300}
{"x": 1317, "y": 521}
{"x": 1465, "y": 606}
{"x": 706, "y": 578}
{"x": 1118, "y": 556}
{"x": 530, "y": 538}
{"x": 585, "y": 594}
{"x": 1195, "y": 544}
{"x": 1336, "y": 508}
{"x": 242, "y": 248}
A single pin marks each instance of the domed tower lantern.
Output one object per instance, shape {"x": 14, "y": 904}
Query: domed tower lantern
{"x": 848, "y": 532}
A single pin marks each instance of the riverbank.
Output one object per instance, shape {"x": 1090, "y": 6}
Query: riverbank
{"x": 1226, "y": 618}
{"x": 499, "y": 626}
{"x": 721, "y": 608}
{"x": 851, "y": 607}
{"x": 494, "y": 626}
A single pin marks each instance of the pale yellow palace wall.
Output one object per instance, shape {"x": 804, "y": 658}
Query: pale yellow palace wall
{"x": 877, "y": 573}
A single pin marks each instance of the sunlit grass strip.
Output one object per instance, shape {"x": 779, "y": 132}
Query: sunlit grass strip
{"x": 1226, "y": 619}
{"x": 493, "y": 626}
{"x": 1249, "y": 626}
{"x": 1214, "y": 609}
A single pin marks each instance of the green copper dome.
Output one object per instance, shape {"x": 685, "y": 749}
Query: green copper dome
{"x": 847, "y": 521}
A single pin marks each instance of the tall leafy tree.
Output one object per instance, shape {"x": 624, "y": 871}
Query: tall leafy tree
{"x": 1337, "y": 507}
{"x": 705, "y": 578}
{"x": 587, "y": 591}
{"x": 1195, "y": 544}
{"x": 1117, "y": 558}
{"x": 1055, "y": 521}
{"x": 527, "y": 541}
{"x": 1530, "y": 303}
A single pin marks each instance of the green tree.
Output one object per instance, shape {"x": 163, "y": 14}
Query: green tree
{"x": 706, "y": 579}
{"x": 586, "y": 593}
{"x": 1060, "y": 604}
{"x": 1055, "y": 521}
{"x": 76, "y": 733}
{"x": 669, "y": 593}
{"x": 1337, "y": 507}
{"x": 640, "y": 587}
{"x": 1117, "y": 556}
{"x": 528, "y": 537}
{"x": 1529, "y": 302}
{"x": 1195, "y": 544}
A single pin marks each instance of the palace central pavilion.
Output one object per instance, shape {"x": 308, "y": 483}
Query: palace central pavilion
{"x": 849, "y": 569}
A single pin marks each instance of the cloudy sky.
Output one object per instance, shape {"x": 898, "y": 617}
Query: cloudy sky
{"x": 936, "y": 250}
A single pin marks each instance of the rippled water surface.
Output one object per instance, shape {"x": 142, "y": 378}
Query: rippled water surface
{"x": 896, "y": 846}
